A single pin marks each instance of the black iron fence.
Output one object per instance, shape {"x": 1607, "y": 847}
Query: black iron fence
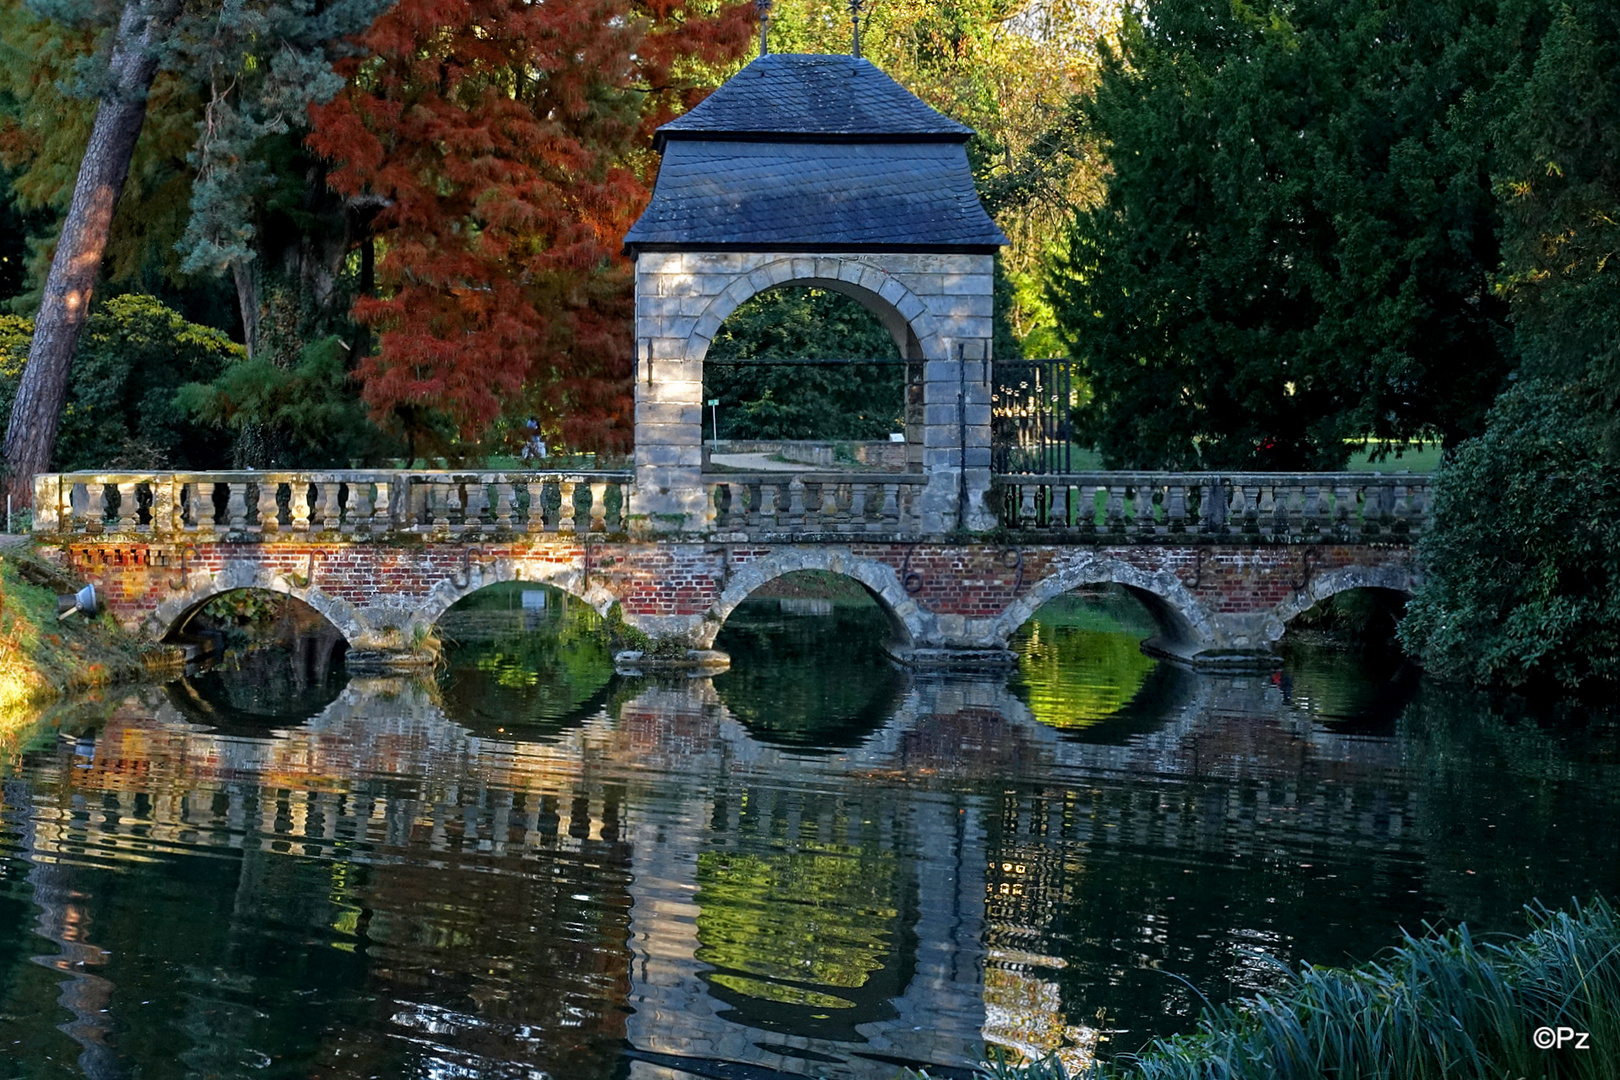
{"x": 1030, "y": 403}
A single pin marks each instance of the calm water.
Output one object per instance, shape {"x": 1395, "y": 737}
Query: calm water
{"x": 813, "y": 865}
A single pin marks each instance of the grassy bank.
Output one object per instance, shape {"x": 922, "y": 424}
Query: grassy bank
{"x": 41, "y": 658}
{"x": 1441, "y": 1006}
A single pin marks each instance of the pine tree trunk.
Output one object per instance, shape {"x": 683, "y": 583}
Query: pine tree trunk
{"x": 37, "y": 412}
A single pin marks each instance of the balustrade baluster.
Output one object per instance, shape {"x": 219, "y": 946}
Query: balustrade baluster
{"x": 857, "y": 507}
{"x": 1024, "y": 517}
{"x": 534, "y": 509}
{"x": 165, "y": 506}
{"x": 770, "y": 504}
{"x": 1265, "y": 509}
{"x": 1344, "y": 509}
{"x": 268, "y": 518}
{"x": 446, "y": 505}
{"x": 331, "y": 506}
{"x": 796, "y": 511}
{"x": 1175, "y": 507}
{"x": 599, "y": 507}
{"x": 475, "y": 503}
{"x": 1315, "y": 509}
{"x": 565, "y": 506}
{"x": 1114, "y": 513}
{"x": 298, "y": 503}
{"x": 889, "y": 512}
{"x": 505, "y": 506}
{"x": 360, "y": 508}
{"x": 1144, "y": 518}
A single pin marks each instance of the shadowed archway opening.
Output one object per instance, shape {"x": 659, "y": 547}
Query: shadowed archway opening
{"x": 263, "y": 658}
{"x": 809, "y": 670}
{"x": 248, "y": 621}
{"x": 523, "y": 660}
{"x": 1342, "y": 663}
{"x": 832, "y": 403}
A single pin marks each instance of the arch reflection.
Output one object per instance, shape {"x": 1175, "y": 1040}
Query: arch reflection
{"x": 808, "y": 672}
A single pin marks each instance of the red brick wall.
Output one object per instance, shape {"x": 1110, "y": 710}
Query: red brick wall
{"x": 680, "y": 579}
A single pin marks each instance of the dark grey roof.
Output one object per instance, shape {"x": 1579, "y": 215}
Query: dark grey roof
{"x": 831, "y": 97}
{"x": 808, "y": 196}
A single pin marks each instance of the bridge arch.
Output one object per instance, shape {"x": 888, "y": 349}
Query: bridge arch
{"x": 1185, "y": 625}
{"x": 202, "y": 586}
{"x": 903, "y": 313}
{"x": 880, "y": 580}
{"x": 1319, "y": 587}
{"x": 569, "y": 579}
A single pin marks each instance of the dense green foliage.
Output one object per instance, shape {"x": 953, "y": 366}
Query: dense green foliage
{"x": 121, "y": 410}
{"x": 1523, "y": 565}
{"x": 763, "y": 401}
{"x": 1298, "y": 235}
{"x": 307, "y": 414}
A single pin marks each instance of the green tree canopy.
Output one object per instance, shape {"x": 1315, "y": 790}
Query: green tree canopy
{"x": 1298, "y": 236}
{"x": 121, "y": 410}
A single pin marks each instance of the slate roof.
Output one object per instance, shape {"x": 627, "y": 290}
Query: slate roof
{"x": 793, "y": 94}
{"x": 814, "y": 153}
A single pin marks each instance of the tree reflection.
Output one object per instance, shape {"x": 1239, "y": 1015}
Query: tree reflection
{"x": 524, "y": 673}
{"x": 1080, "y": 659}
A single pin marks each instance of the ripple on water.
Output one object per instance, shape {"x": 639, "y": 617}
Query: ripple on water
{"x": 815, "y": 864}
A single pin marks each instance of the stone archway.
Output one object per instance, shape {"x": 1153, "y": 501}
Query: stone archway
{"x": 879, "y": 578}
{"x": 937, "y": 307}
{"x": 904, "y": 314}
{"x": 202, "y": 586}
{"x": 1186, "y": 627}
{"x": 1393, "y": 579}
{"x": 569, "y": 579}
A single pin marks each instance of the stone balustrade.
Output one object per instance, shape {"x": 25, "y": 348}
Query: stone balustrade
{"x": 1282, "y": 507}
{"x": 268, "y": 505}
{"x": 1111, "y": 507}
{"x": 800, "y": 505}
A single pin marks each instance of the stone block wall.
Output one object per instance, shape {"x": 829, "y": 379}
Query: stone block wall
{"x": 937, "y": 307}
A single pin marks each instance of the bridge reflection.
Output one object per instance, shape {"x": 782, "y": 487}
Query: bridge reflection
{"x": 392, "y": 881}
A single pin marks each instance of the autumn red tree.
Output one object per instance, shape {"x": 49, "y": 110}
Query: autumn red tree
{"x": 507, "y": 143}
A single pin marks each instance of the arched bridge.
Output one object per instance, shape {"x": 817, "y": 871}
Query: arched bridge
{"x": 1223, "y": 561}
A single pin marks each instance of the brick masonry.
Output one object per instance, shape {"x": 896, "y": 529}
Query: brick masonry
{"x": 1211, "y": 601}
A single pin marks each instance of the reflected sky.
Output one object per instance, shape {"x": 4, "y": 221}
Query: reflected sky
{"x": 814, "y": 865}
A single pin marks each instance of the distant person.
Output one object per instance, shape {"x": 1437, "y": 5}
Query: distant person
{"x": 534, "y": 447}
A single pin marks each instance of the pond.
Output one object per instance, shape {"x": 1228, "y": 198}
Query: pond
{"x": 816, "y": 864}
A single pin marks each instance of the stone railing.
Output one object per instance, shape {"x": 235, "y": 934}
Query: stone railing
{"x": 1283, "y": 507}
{"x": 285, "y": 504}
{"x": 813, "y": 504}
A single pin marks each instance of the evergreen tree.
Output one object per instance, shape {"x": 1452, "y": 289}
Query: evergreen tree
{"x": 501, "y": 140}
{"x": 1298, "y": 238}
{"x": 1522, "y": 568}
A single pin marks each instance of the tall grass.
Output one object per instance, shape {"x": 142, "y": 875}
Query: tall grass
{"x": 1441, "y": 1006}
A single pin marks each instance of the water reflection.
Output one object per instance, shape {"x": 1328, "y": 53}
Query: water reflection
{"x": 610, "y": 878}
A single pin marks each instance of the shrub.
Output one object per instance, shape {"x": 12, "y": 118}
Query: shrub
{"x": 1522, "y": 566}
{"x": 120, "y": 412}
{"x": 1442, "y": 1006}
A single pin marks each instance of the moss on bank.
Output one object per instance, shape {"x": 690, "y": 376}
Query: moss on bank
{"x": 42, "y": 658}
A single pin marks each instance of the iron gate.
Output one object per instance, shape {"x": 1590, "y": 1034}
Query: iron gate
{"x": 1030, "y": 427}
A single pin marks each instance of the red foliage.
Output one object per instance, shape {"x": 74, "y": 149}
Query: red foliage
{"x": 503, "y": 138}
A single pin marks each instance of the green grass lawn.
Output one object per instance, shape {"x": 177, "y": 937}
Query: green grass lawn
{"x": 1424, "y": 459}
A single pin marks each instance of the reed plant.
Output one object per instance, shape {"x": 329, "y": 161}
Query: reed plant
{"x": 1445, "y": 1006}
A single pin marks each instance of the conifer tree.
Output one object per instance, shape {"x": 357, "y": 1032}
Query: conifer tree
{"x": 507, "y": 144}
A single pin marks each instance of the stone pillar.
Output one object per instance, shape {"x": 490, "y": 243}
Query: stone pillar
{"x": 668, "y": 494}
{"x": 956, "y": 394}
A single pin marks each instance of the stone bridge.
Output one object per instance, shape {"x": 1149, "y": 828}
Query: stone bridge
{"x": 1222, "y": 561}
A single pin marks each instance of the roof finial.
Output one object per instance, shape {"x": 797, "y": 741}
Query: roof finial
{"x": 855, "y": 24}
{"x": 764, "y": 9}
